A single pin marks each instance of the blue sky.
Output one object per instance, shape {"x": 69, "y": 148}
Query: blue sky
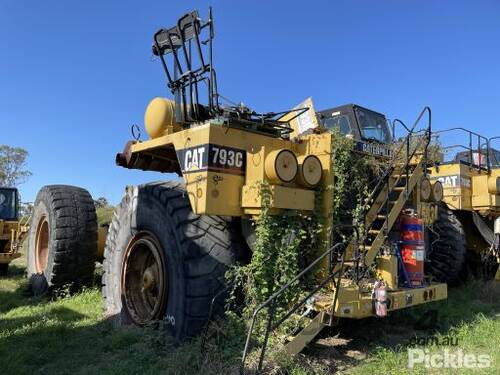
{"x": 74, "y": 75}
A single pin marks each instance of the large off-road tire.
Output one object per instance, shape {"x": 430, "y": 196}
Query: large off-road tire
{"x": 62, "y": 244}
{"x": 163, "y": 262}
{"x": 447, "y": 247}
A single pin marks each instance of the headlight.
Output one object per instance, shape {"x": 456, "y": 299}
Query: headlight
{"x": 437, "y": 191}
{"x": 425, "y": 189}
{"x": 310, "y": 171}
{"x": 281, "y": 166}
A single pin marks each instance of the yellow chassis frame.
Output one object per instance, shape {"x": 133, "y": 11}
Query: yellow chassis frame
{"x": 355, "y": 305}
{"x": 14, "y": 232}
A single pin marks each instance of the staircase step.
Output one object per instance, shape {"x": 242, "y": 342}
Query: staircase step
{"x": 349, "y": 263}
{"x": 397, "y": 176}
{"x": 305, "y": 336}
{"x": 381, "y": 217}
{"x": 374, "y": 231}
{"x": 399, "y": 188}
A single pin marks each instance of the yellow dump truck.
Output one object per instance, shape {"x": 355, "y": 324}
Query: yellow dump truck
{"x": 170, "y": 243}
{"x": 471, "y": 205}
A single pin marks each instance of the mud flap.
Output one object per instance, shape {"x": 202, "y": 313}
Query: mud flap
{"x": 483, "y": 229}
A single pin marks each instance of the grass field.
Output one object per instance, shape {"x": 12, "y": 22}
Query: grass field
{"x": 68, "y": 335}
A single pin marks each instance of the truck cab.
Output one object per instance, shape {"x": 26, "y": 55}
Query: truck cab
{"x": 368, "y": 128}
{"x": 9, "y": 204}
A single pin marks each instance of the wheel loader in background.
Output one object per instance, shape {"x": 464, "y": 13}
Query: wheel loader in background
{"x": 170, "y": 243}
{"x": 12, "y": 228}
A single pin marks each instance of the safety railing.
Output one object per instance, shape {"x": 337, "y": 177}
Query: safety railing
{"x": 17, "y": 235}
{"x": 477, "y": 145}
{"x": 405, "y": 146}
{"x": 338, "y": 250}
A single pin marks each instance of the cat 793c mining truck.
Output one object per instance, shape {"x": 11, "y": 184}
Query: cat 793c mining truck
{"x": 170, "y": 243}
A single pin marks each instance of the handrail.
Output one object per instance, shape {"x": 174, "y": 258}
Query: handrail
{"x": 463, "y": 129}
{"x": 407, "y": 174}
{"x": 406, "y": 166}
{"x": 480, "y": 138}
{"x": 24, "y": 221}
{"x": 392, "y": 164}
{"x": 398, "y": 121}
{"x": 272, "y": 299}
{"x": 338, "y": 228}
{"x": 451, "y": 147}
{"x": 17, "y": 235}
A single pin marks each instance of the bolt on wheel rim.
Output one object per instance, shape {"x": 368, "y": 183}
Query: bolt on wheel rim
{"x": 144, "y": 279}
{"x": 42, "y": 245}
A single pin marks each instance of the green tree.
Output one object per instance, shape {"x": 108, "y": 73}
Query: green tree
{"x": 101, "y": 202}
{"x": 13, "y": 170}
{"x": 104, "y": 211}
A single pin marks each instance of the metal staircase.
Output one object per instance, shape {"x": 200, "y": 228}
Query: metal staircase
{"x": 394, "y": 188}
{"x": 386, "y": 208}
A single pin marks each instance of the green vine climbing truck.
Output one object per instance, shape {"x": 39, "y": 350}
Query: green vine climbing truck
{"x": 275, "y": 193}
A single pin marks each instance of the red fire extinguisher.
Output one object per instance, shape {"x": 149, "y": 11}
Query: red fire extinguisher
{"x": 379, "y": 296}
{"x": 412, "y": 247}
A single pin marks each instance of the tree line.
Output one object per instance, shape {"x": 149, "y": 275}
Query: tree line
{"x": 14, "y": 172}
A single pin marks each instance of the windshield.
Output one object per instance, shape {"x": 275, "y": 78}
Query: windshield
{"x": 373, "y": 126}
{"x": 339, "y": 122}
{"x": 8, "y": 204}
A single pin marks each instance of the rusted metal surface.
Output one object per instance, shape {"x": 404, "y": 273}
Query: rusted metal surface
{"x": 42, "y": 244}
{"x": 163, "y": 159}
{"x": 144, "y": 280}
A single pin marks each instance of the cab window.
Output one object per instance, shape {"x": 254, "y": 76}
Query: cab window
{"x": 8, "y": 204}
{"x": 373, "y": 126}
{"x": 339, "y": 122}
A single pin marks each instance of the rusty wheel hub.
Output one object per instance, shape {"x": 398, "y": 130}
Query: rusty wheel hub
{"x": 144, "y": 279}
{"x": 42, "y": 245}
